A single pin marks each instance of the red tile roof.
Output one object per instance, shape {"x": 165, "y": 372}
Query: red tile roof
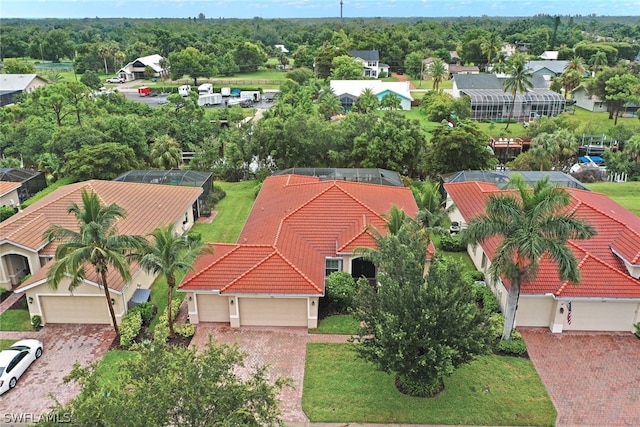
{"x": 147, "y": 207}
{"x": 7, "y": 187}
{"x": 603, "y": 274}
{"x": 297, "y": 221}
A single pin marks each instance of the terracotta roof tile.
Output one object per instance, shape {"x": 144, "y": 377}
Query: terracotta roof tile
{"x": 603, "y": 274}
{"x": 301, "y": 220}
{"x": 8, "y": 187}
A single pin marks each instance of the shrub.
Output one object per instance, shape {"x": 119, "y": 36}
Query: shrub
{"x": 36, "y": 322}
{"x": 637, "y": 325}
{"x": 130, "y": 328}
{"x": 263, "y": 173}
{"x": 161, "y": 331}
{"x": 146, "y": 310}
{"x": 514, "y": 347}
{"x": 486, "y": 299}
{"x": 452, "y": 243}
{"x": 194, "y": 236}
{"x": 217, "y": 194}
{"x": 473, "y": 275}
{"x": 6, "y": 212}
{"x": 341, "y": 289}
{"x": 185, "y": 329}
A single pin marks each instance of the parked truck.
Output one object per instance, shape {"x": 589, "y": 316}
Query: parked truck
{"x": 184, "y": 90}
{"x": 210, "y": 99}
{"x": 205, "y": 89}
{"x": 225, "y": 91}
{"x": 252, "y": 95}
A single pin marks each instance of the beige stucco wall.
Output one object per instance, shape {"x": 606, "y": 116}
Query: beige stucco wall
{"x": 603, "y": 315}
{"x": 535, "y": 310}
{"x": 185, "y": 222}
{"x": 35, "y": 83}
{"x": 208, "y": 308}
{"x": 12, "y": 267}
{"x": 10, "y": 199}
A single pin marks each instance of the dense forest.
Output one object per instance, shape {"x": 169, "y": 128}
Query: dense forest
{"x": 64, "y": 129}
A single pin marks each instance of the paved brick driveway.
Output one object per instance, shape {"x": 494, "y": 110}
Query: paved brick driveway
{"x": 283, "y": 349}
{"x": 63, "y": 346}
{"x": 592, "y": 378}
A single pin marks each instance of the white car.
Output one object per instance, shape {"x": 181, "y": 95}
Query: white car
{"x": 115, "y": 80}
{"x": 15, "y": 360}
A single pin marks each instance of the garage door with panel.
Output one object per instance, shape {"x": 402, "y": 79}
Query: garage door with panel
{"x": 76, "y": 309}
{"x": 601, "y": 316}
{"x": 213, "y": 308}
{"x": 273, "y": 311}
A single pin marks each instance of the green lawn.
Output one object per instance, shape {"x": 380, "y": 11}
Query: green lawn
{"x": 625, "y": 193}
{"x": 108, "y": 367}
{"x": 5, "y": 344}
{"x": 599, "y": 123}
{"x": 493, "y": 390}
{"x": 339, "y": 324}
{"x": 159, "y": 294}
{"x": 15, "y": 320}
{"x": 233, "y": 211}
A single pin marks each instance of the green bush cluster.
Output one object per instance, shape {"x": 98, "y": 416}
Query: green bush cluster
{"x": 452, "y": 243}
{"x": 341, "y": 290}
{"x": 161, "y": 331}
{"x": 514, "y": 346}
{"x": 6, "y": 212}
{"x": 146, "y": 310}
{"x": 637, "y": 325}
{"x": 130, "y": 328}
{"x": 36, "y": 322}
{"x": 486, "y": 300}
{"x": 217, "y": 194}
{"x": 473, "y": 275}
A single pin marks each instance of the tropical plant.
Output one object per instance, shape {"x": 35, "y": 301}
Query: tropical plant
{"x": 167, "y": 255}
{"x": 532, "y": 223}
{"x": 432, "y": 214}
{"x": 575, "y": 64}
{"x": 437, "y": 71}
{"x": 329, "y": 105}
{"x": 96, "y": 243}
{"x": 519, "y": 81}
{"x": 490, "y": 45}
{"x": 390, "y": 102}
{"x": 597, "y": 61}
{"x": 569, "y": 80}
{"x": 166, "y": 152}
{"x": 367, "y": 102}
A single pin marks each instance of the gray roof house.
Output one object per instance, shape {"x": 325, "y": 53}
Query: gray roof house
{"x": 370, "y": 60}
{"x": 15, "y": 84}
{"x": 551, "y": 68}
{"x": 135, "y": 69}
{"x": 489, "y": 101}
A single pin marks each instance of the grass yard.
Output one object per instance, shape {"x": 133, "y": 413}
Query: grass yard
{"x": 15, "y": 320}
{"x": 159, "y": 290}
{"x": 5, "y": 344}
{"x": 50, "y": 189}
{"x": 108, "y": 368}
{"x": 625, "y": 193}
{"x": 493, "y": 390}
{"x": 339, "y": 324}
{"x": 233, "y": 211}
{"x": 599, "y": 123}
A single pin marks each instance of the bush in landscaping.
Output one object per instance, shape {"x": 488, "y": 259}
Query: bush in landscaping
{"x": 36, "y": 322}
{"x": 217, "y": 194}
{"x": 637, "y": 325}
{"x": 341, "y": 289}
{"x": 185, "y": 329}
{"x": 161, "y": 331}
{"x": 146, "y": 310}
{"x": 130, "y": 328}
{"x": 513, "y": 346}
{"x": 6, "y": 212}
{"x": 452, "y": 243}
{"x": 486, "y": 300}
{"x": 473, "y": 275}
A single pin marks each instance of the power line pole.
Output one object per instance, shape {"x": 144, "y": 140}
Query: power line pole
{"x": 341, "y": 18}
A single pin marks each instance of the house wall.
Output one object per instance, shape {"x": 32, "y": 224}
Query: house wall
{"x": 588, "y": 103}
{"x": 10, "y": 199}
{"x": 12, "y": 267}
{"x": 35, "y": 84}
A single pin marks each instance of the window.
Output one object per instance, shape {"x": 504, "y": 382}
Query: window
{"x": 332, "y": 265}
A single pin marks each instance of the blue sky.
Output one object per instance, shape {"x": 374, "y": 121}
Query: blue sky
{"x": 308, "y": 8}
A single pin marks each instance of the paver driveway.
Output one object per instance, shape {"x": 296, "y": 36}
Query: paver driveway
{"x": 283, "y": 349}
{"x": 592, "y": 378}
{"x": 63, "y": 346}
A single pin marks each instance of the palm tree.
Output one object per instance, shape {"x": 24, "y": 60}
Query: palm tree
{"x": 490, "y": 45}
{"x": 431, "y": 208}
{"x": 166, "y": 152}
{"x": 532, "y": 223}
{"x": 329, "y": 104}
{"x": 437, "y": 71}
{"x": 570, "y": 80}
{"x": 390, "y": 102}
{"x": 367, "y": 102}
{"x": 96, "y": 243}
{"x": 519, "y": 81}
{"x": 575, "y": 64}
{"x": 598, "y": 60}
{"x": 168, "y": 255}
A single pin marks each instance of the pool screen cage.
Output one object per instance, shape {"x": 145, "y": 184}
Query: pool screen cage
{"x": 368, "y": 175}
{"x": 495, "y": 104}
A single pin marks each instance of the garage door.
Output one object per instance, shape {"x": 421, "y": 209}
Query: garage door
{"x": 77, "y": 309}
{"x": 213, "y": 308}
{"x": 273, "y": 311}
{"x": 601, "y": 316}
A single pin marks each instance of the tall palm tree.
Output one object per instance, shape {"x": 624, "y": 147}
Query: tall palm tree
{"x": 575, "y": 64}
{"x": 570, "y": 80}
{"x": 168, "y": 255}
{"x": 598, "y": 60}
{"x": 532, "y": 223}
{"x": 519, "y": 81}
{"x": 329, "y": 105}
{"x": 166, "y": 152}
{"x": 437, "y": 70}
{"x": 96, "y": 243}
{"x": 431, "y": 208}
{"x": 490, "y": 45}
{"x": 367, "y": 102}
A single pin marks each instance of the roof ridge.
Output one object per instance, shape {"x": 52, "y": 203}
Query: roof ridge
{"x": 360, "y": 202}
{"x": 365, "y": 230}
{"x": 27, "y": 223}
{"x": 285, "y": 259}
{"x": 214, "y": 262}
{"x": 249, "y": 270}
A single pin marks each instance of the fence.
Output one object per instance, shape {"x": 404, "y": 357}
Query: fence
{"x": 53, "y": 66}
{"x": 617, "y": 177}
